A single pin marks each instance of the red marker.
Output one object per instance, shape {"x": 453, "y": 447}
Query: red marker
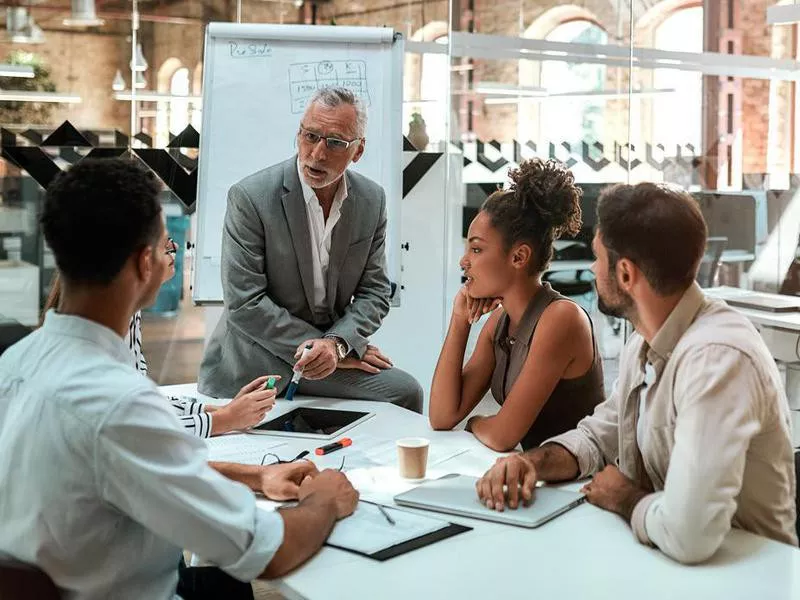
{"x": 342, "y": 443}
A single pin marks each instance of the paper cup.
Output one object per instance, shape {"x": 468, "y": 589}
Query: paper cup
{"x": 412, "y": 457}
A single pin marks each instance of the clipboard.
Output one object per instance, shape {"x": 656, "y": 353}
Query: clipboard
{"x": 442, "y": 534}
{"x": 369, "y": 535}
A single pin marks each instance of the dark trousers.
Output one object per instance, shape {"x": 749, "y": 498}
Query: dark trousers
{"x": 210, "y": 583}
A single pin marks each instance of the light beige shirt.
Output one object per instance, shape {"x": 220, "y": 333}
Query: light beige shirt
{"x": 321, "y": 231}
{"x": 716, "y": 447}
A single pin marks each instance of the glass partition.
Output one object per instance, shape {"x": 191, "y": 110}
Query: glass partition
{"x": 698, "y": 94}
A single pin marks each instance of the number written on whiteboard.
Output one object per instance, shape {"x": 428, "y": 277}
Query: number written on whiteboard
{"x": 250, "y": 49}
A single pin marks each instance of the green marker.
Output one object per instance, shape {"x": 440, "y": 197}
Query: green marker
{"x": 270, "y": 385}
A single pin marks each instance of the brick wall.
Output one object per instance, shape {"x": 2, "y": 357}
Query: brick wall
{"x": 84, "y": 64}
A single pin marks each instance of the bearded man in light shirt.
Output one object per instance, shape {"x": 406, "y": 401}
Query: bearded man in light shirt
{"x": 696, "y": 436}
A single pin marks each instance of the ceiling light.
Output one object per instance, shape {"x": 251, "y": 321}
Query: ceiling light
{"x": 83, "y": 15}
{"x": 140, "y": 64}
{"x": 21, "y": 28}
{"x": 119, "y": 83}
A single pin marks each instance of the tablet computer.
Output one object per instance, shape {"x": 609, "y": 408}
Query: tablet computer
{"x": 308, "y": 422}
{"x": 456, "y": 495}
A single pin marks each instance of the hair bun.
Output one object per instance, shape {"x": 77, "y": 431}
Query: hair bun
{"x": 548, "y": 188}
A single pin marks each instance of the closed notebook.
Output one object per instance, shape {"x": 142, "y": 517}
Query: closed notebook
{"x": 456, "y": 494}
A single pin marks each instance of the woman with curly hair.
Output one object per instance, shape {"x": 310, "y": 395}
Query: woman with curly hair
{"x": 538, "y": 353}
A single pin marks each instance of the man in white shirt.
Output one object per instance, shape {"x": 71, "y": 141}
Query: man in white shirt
{"x": 102, "y": 486}
{"x": 696, "y": 436}
{"x": 303, "y": 263}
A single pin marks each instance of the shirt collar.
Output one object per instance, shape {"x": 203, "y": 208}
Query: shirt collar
{"x": 310, "y": 196}
{"x": 73, "y": 326}
{"x": 677, "y": 323}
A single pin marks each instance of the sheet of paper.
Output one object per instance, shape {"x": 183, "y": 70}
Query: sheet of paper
{"x": 384, "y": 452}
{"x": 242, "y": 448}
{"x": 368, "y": 531}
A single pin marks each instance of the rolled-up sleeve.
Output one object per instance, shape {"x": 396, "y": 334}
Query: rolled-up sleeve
{"x": 595, "y": 440}
{"x": 716, "y": 393}
{"x": 156, "y": 473}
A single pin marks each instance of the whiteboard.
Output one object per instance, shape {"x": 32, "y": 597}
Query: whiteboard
{"x": 257, "y": 80}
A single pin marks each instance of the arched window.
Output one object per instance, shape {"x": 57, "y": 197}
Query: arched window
{"x": 677, "y": 116}
{"x": 179, "y": 85}
{"x": 432, "y": 102}
{"x": 571, "y": 111}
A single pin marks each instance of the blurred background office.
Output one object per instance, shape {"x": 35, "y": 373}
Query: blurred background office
{"x": 699, "y": 93}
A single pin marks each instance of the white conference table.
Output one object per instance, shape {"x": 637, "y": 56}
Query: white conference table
{"x": 584, "y": 554}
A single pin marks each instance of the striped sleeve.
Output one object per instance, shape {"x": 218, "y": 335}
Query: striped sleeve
{"x": 191, "y": 415}
{"x": 198, "y": 425}
{"x": 185, "y": 405}
{"x": 134, "y": 339}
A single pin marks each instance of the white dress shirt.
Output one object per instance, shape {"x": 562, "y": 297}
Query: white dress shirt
{"x": 102, "y": 487}
{"x": 321, "y": 231}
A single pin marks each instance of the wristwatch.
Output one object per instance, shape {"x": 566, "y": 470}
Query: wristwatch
{"x": 341, "y": 347}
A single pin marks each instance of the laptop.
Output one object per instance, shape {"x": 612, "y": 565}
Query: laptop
{"x": 455, "y": 494}
{"x": 777, "y": 304}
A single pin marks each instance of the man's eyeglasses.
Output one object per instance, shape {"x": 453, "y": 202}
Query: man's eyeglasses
{"x": 331, "y": 143}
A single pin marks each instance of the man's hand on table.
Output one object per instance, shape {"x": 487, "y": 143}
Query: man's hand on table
{"x": 611, "y": 490}
{"x": 512, "y": 478}
{"x": 282, "y": 482}
{"x": 331, "y": 486}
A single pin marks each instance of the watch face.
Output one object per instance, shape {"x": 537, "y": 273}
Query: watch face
{"x": 341, "y": 350}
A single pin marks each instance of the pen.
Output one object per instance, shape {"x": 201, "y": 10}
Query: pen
{"x": 385, "y": 514}
{"x": 296, "y": 375}
{"x": 383, "y": 511}
{"x": 342, "y": 443}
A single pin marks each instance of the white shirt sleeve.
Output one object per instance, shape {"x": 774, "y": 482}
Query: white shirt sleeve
{"x": 716, "y": 389}
{"x": 152, "y": 470}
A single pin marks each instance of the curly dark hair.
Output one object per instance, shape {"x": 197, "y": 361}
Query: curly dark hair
{"x": 97, "y": 214}
{"x": 542, "y": 205}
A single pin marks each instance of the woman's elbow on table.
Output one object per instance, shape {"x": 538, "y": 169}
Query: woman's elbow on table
{"x": 441, "y": 422}
{"x": 496, "y": 439}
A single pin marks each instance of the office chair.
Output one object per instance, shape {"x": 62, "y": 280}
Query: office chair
{"x": 709, "y": 266}
{"x": 571, "y": 283}
{"x": 19, "y": 581}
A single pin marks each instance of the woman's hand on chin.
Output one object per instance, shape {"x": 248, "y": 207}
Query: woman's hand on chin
{"x": 472, "y": 309}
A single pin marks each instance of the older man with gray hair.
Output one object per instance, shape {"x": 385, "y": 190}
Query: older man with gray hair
{"x": 303, "y": 264}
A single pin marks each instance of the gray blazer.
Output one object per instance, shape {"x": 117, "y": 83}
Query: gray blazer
{"x": 268, "y": 283}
